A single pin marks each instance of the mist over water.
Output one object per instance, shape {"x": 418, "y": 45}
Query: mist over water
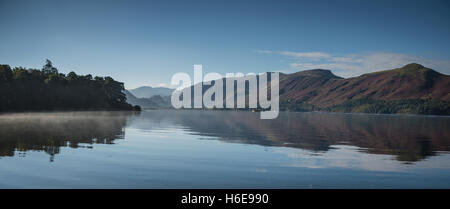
{"x": 22, "y": 132}
{"x": 222, "y": 149}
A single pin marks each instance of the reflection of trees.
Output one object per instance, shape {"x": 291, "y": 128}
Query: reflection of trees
{"x": 49, "y": 131}
{"x": 409, "y": 138}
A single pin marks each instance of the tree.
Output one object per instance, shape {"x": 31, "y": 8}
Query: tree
{"x": 48, "y": 68}
{"x": 5, "y": 73}
{"x": 46, "y": 89}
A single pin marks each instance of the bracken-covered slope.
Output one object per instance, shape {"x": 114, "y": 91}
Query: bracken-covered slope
{"x": 323, "y": 89}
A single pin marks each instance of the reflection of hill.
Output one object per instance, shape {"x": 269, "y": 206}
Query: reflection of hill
{"x": 409, "y": 138}
{"x": 50, "y": 131}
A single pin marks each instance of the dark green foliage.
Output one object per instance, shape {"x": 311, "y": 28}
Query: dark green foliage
{"x": 31, "y": 89}
{"x": 410, "y": 106}
{"x": 137, "y": 108}
{"x": 367, "y": 105}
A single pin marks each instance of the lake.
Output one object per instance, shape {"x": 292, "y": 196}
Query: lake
{"x": 223, "y": 149}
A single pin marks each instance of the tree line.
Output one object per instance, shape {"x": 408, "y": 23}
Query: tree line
{"x": 367, "y": 105}
{"x": 410, "y": 106}
{"x": 24, "y": 89}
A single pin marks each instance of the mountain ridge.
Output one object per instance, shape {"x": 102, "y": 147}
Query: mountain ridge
{"x": 148, "y": 91}
{"x": 412, "y": 88}
{"x": 412, "y": 81}
{"x": 156, "y": 101}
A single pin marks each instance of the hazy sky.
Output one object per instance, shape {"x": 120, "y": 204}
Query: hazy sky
{"x": 146, "y": 42}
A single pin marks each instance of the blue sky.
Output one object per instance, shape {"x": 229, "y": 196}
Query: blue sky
{"x": 146, "y": 42}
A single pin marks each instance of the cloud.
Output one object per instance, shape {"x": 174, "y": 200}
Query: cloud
{"x": 346, "y": 59}
{"x": 309, "y": 55}
{"x": 355, "y": 65}
{"x": 165, "y": 85}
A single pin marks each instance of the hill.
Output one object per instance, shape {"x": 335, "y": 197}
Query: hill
{"x": 412, "y": 88}
{"x": 324, "y": 89}
{"x": 147, "y": 91}
{"x": 153, "y": 102}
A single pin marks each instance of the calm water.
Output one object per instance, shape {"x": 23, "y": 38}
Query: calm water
{"x": 222, "y": 149}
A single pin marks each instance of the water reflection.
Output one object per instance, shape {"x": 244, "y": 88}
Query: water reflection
{"x": 408, "y": 138}
{"x": 48, "y": 132}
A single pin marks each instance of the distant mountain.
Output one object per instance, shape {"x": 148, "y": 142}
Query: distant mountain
{"x": 157, "y": 101}
{"x": 412, "y": 88}
{"x": 147, "y": 91}
{"x": 161, "y": 101}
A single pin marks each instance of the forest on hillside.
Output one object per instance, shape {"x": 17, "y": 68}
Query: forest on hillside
{"x": 367, "y": 105}
{"x": 24, "y": 89}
